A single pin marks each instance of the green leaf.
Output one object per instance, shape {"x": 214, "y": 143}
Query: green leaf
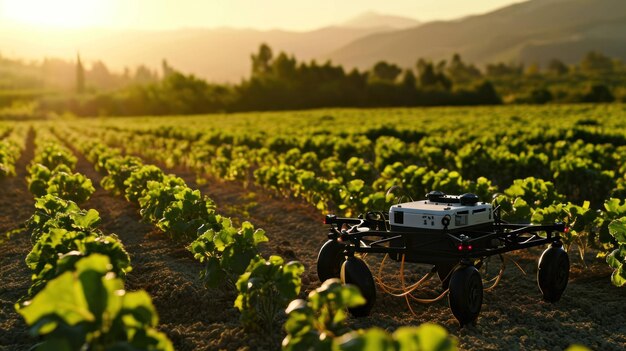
{"x": 213, "y": 273}
{"x": 514, "y": 191}
{"x": 426, "y": 337}
{"x": 577, "y": 347}
{"x": 139, "y": 304}
{"x": 64, "y": 297}
{"x": 86, "y": 221}
{"x": 55, "y": 344}
{"x": 617, "y": 229}
{"x": 355, "y": 186}
{"x": 259, "y": 236}
{"x": 614, "y": 259}
{"x": 373, "y": 339}
{"x": 618, "y": 278}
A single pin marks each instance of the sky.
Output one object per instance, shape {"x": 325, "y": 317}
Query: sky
{"x": 259, "y": 14}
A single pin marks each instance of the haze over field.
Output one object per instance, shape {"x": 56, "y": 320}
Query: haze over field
{"x": 214, "y": 40}
{"x": 262, "y": 15}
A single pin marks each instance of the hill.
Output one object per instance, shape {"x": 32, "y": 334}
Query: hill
{"x": 531, "y": 31}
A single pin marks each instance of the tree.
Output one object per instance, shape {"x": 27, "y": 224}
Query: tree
{"x": 144, "y": 75}
{"x": 598, "y": 93}
{"x": 261, "y": 62}
{"x": 408, "y": 79}
{"x": 80, "y": 75}
{"x": 557, "y": 67}
{"x": 486, "y": 93}
{"x": 540, "y": 96}
{"x": 100, "y": 76}
{"x": 167, "y": 69}
{"x": 533, "y": 69}
{"x": 460, "y": 72}
{"x": 284, "y": 67}
{"x": 595, "y": 62}
{"x": 386, "y": 72}
{"x": 503, "y": 69}
{"x": 430, "y": 76}
{"x": 409, "y": 88}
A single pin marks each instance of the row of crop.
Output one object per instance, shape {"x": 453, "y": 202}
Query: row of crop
{"x": 582, "y": 168}
{"x": 5, "y": 130}
{"x": 77, "y": 299}
{"x": 529, "y": 199}
{"x": 230, "y": 256}
{"x": 579, "y": 170}
{"x": 11, "y": 147}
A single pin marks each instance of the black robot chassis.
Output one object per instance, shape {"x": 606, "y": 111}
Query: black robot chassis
{"x": 454, "y": 234}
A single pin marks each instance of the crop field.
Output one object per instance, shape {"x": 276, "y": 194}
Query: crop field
{"x": 197, "y": 232}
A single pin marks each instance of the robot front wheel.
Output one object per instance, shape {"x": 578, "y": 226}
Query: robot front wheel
{"x": 329, "y": 260}
{"x": 356, "y": 272}
{"x": 553, "y": 273}
{"x": 466, "y": 294}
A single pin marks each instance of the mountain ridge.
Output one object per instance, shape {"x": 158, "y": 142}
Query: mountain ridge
{"x": 500, "y": 35}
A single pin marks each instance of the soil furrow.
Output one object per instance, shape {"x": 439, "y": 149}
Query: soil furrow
{"x": 195, "y": 318}
{"x": 16, "y": 206}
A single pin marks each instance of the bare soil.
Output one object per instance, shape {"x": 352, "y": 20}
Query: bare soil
{"x": 16, "y": 206}
{"x": 513, "y": 316}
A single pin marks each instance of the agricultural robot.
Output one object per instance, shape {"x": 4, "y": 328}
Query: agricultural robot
{"x": 456, "y": 234}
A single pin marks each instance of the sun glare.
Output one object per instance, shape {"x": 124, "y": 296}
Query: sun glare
{"x": 54, "y": 13}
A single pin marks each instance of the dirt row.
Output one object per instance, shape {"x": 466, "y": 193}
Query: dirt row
{"x": 16, "y": 206}
{"x": 195, "y": 318}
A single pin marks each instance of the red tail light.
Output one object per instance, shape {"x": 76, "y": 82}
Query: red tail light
{"x": 462, "y": 247}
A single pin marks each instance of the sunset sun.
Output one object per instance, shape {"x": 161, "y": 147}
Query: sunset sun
{"x": 59, "y": 13}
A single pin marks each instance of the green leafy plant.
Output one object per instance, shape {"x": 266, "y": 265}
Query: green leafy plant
{"x": 613, "y": 209}
{"x": 52, "y": 212}
{"x": 426, "y": 337}
{"x": 580, "y": 221}
{"x": 513, "y": 209}
{"x": 186, "y": 213}
{"x": 38, "y": 179}
{"x": 158, "y": 196}
{"x": 52, "y": 155}
{"x": 118, "y": 170}
{"x": 60, "y": 182}
{"x": 88, "y": 309}
{"x": 535, "y": 192}
{"x": 70, "y": 186}
{"x": 137, "y": 183}
{"x": 57, "y": 250}
{"x": 617, "y": 258}
{"x": 9, "y": 153}
{"x": 265, "y": 289}
{"x": 312, "y": 324}
{"x": 226, "y": 253}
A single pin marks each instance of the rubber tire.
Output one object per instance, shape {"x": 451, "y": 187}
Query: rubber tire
{"x": 466, "y": 294}
{"x": 356, "y": 272}
{"x": 329, "y": 260}
{"x": 553, "y": 273}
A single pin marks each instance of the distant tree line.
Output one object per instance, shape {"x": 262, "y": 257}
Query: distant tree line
{"x": 279, "y": 82}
